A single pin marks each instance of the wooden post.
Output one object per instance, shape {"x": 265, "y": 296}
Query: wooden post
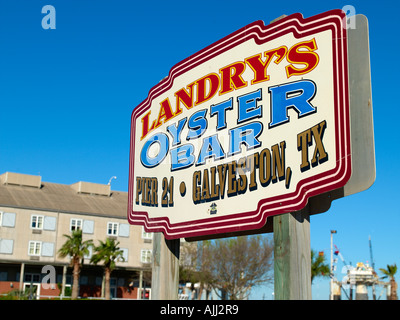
{"x": 64, "y": 281}
{"x": 292, "y": 256}
{"x": 140, "y": 285}
{"x": 292, "y": 253}
{"x": 21, "y": 277}
{"x": 165, "y": 275}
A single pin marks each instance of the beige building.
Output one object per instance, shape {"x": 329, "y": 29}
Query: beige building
{"x": 35, "y": 216}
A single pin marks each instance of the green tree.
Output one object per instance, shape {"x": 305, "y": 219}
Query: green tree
{"x": 318, "y": 266}
{"x": 389, "y": 273}
{"x": 194, "y": 266}
{"x": 109, "y": 253}
{"x": 75, "y": 248}
{"x": 235, "y": 265}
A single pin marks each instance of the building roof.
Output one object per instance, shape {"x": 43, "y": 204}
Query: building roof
{"x": 18, "y": 191}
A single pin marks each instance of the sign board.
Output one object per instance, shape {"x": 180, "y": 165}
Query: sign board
{"x": 250, "y": 127}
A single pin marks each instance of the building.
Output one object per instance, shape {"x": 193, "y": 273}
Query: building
{"x": 35, "y": 216}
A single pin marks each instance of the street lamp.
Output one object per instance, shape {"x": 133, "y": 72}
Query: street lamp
{"x": 109, "y": 181}
{"x": 331, "y": 273}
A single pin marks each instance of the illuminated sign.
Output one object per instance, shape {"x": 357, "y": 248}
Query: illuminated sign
{"x": 249, "y": 127}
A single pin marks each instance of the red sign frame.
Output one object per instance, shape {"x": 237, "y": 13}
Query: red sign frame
{"x": 333, "y": 21}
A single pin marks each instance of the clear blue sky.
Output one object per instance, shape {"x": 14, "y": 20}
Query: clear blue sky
{"x": 66, "y": 97}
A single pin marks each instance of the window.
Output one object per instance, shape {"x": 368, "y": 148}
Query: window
{"x": 68, "y": 279}
{"x": 47, "y": 249}
{"x": 34, "y": 248}
{"x": 90, "y": 253}
{"x": 98, "y": 281}
{"x": 76, "y": 224}
{"x": 7, "y": 219}
{"x": 113, "y": 288}
{"x": 123, "y": 230}
{"x": 88, "y": 226}
{"x": 36, "y": 222}
{"x": 32, "y": 277}
{"x": 49, "y": 223}
{"x": 146, "y": 235}
{"x": 84, "y": 280}
{"x": 145, "y": 256}
{"x": 124, "y": 255}
{"x": 112, "y": 229}
{"x": 6, "y": 246}
{"x": 3, "y": 276}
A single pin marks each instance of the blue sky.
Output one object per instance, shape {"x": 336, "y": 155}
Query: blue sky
{"x": 66, "y": 96}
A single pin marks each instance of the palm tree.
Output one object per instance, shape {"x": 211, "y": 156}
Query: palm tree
{"x": 318, "y": 265}
{"x": 389, "y": 273}
{"x": 109, "y": 253}
{"x": 76, "y": 249}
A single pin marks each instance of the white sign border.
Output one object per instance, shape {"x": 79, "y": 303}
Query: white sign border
{"x": 332, "y": 20}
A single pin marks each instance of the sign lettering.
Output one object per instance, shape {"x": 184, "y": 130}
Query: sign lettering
{"x": 249, "y": 127}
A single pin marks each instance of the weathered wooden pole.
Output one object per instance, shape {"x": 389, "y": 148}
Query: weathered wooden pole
{"x": 292, "y": 256}
{"x": 165, "y": 273}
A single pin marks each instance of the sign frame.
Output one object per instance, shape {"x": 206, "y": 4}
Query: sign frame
{"x": 322, "y": 184}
